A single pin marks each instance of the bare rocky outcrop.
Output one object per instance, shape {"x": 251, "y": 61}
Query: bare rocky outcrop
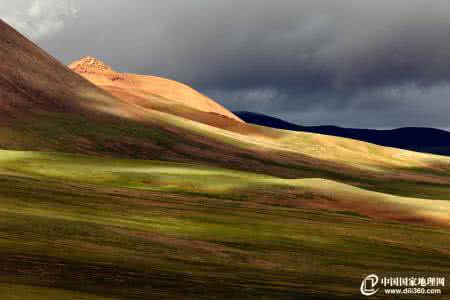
{"x": 89, "y": 64}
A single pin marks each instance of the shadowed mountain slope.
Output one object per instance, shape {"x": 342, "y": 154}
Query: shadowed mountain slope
{"x": 427, "y": 140}
{"x": 33, "y": 82}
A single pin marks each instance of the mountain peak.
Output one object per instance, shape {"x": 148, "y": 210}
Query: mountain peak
{"x": 89, "y": 64}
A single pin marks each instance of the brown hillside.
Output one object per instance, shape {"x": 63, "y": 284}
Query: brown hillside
{"x": 153, "y": 92}
{"x": 32, "y": 81}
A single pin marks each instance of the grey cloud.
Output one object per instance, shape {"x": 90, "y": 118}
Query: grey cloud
{"x": 38, "y": 18}
{"x": 350, "y": 62}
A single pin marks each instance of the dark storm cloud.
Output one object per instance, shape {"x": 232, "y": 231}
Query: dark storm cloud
{"x": 351, "y": 62}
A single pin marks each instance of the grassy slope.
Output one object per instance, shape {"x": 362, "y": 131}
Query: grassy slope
{"x": 275, "y": 152}
{"x": 215, "y": 182}
{"x": 144, "y": 229}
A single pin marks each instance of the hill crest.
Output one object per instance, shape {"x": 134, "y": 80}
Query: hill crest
{"x": 152, "y": 92}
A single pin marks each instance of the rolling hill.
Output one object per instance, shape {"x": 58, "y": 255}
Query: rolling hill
{"x": 141, "y": 188}
{"x": 151, "y": 92}
{"x": 101, "y": 228}
{"x": 427, "y": 140}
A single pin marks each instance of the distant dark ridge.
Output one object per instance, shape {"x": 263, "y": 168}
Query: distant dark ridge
{"x": 421, "y": 139}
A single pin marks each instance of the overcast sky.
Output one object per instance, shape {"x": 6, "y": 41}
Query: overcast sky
{"x": 359, "y": 63}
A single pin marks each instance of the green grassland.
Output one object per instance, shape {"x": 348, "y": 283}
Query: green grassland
{"x": 122, "y": 202}
{"x": 284, "y": 155}
{"x": 79, "y": 227}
